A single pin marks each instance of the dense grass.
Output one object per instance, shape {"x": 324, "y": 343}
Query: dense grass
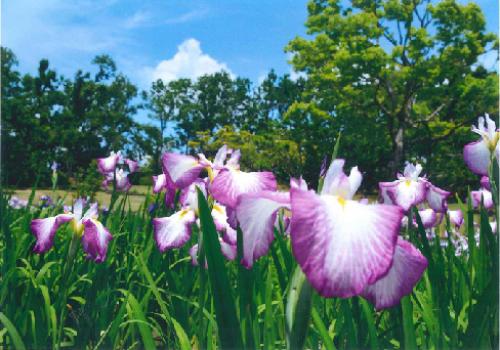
{"x": 139, "y": 298}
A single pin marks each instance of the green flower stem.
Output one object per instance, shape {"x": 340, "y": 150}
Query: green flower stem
{"x": 67, "y": 269}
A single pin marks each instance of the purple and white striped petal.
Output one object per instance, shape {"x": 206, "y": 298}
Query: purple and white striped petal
{"x": 408, "y": 193}
{"x": 383, "y": 188}
{"x": 182, "y": 169}
{"x": 428, "y": 217}
{"x": 159, "y": 183}
{"x": 193, "y": 253}
{"x": 95, "y": 240}
{"x": 122, "y": 182}
{"x": 256, "y": 214}
{"x": 78, "y": 206}
{"x": 92, "y": 212}
{"x": 341, "y": 245}
{"x": 477, "y": 157}
{"x": 228, "y": 250}
{"x": 108, "y": 164}
{"x": 173, "y": 231}
{"x": 234, "y": 161}
{"x": 336, "y": 182}
{"x": 485, "y": 182}
{"x": 229, "y": 184}
{"x": 487, "y": 198}
{"x": 412, "y": 171}
{"x": 219, "y": 214}
{"x": 436, "y": 198}
{"x": 220, "y": 157}
{"x": 456, "y": 217}
{"x": 133, "y": 166}
{"x": 407, "y": 268}
{"x": 189, "y": 195}
{"x": 45, "y": 229}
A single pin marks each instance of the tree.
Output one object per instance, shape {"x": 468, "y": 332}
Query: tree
{"x": 48, "y": 118}
{"x": 399, "y": 75}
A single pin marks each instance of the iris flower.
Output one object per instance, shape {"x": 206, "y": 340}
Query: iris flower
{"x": 175, "y": 230}
{"x": 486, "y": 197}
{"x": 456, "y": 217}
{"x": 477, "y": 154}
{"x": 108, "y": 164}
{"x": 95, "y": 237}
{"x": 122, "y": 182}
{"x": 348, "y": 248}
{"x": 410, "y": 190}
{"x": 163, "y": 182}
{"x": 227, "y": 181}
{"x": 17, "y": 203}
{"x": 109, "y": 168}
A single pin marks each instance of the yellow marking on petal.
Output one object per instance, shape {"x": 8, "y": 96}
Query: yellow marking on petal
{"x": 183, "y": 213}
{"x": 408, "y": 183}
{"x": 342, "y": 201}
{"x": 218, "y": 208}
{"x": 210, "y": 173}
{"x": 77, "y": 227}
{"x": 492, "y": 143}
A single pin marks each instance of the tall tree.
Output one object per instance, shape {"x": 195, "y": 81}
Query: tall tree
{"x": 410, "y": 67}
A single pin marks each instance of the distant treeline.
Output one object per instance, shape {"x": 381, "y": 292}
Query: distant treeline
{"x": 399, "y": 80}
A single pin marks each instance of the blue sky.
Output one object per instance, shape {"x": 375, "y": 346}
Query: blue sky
{"x": 163, "y": 38}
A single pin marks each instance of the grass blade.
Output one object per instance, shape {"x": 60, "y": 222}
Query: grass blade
{"x": 13, "y": 333}
{"x": 227, "y": 321}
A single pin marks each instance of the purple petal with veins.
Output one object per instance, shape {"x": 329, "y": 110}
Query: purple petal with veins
{"x": 341, "y": 245}
{"x": 406, "y": 270}
{"x": 229, "y": 184}
{"x": 436, "y": 198}
{"x": 173, "y": 231}
{"x": 256, "y": 214}
{"x": 182, "y": 169}
{"x": 45, "y": 229}
{"x": 95, "y": 240}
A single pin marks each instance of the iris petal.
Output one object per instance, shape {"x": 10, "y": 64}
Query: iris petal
{"x": 108, "y": 164}
{"x": 45, "y": 229}
{"x": 173, "y": 231}
{"x": 408, "y": 193}
{"x": 257, "y": 215}
{"x": 95, "y": 240}
{"x": 159, "y": 183}
{"x": 182, "y": 169}
{"x": 231, "y": 183}
{"x": 477, "y": 157}
{"x": 436, "y": 197}
{"x": 342, "y": 246}
{"x": 406, "y": 270}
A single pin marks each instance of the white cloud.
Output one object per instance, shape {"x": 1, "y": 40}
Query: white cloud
{"x": 188, "y": 62}
{"x": 187, "y": 17}
{"x": 138, "y": 19}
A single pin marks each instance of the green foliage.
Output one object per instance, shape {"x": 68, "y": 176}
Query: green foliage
{"x": 48, "y": 118}
{"x": 400, "y": 78}
{"x": 87, "y": 182}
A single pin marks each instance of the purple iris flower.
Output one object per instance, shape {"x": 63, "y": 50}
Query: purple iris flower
{"x": 95, "y": 237}
{"x": 349, "y": 248}
{"x": 477, "y": 154}
{"x": 175, "y": 230}
{"x": 410, "y": 190}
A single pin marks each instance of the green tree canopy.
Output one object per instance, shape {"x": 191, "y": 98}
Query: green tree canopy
{"x": 400, "y": 78}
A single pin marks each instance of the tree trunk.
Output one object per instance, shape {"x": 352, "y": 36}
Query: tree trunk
{"x": 398, "y": 147}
